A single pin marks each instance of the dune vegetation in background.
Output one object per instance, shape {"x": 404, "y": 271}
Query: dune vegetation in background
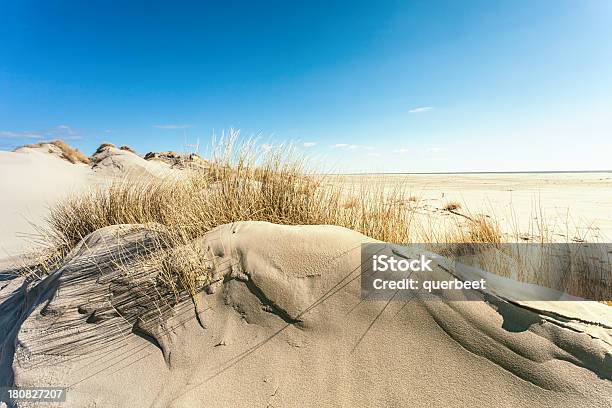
{"x": 67, "y": 152}
{"x": 243, "y": 181}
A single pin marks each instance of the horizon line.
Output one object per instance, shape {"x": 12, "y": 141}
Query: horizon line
{"x": 474, "y": 172}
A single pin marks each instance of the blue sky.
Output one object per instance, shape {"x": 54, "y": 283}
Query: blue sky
{"x": 367, "y": 86}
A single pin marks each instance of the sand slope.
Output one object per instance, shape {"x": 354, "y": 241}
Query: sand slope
{"x": 285, "y": 326}
{"x": 31, "y": 181}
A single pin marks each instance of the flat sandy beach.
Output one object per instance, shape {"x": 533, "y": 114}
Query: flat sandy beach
{"x": 569, "y": 203}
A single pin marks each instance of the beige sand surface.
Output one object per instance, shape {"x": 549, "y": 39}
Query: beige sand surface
{"x": 570, "y": 204}
{"x": 286, "y": 327}
{"x": 30, "y": 181}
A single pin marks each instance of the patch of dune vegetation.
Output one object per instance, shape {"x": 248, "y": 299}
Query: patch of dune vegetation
{"x": 452, "y": 206}
{"x": 243, "y": 182}
{"x": 104, "y": 146}
{"x": 67, "y": 152}
{"x": 127, "y": 149}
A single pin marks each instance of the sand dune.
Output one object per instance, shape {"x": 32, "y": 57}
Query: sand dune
{"x": 32, "y": 180}
{"x": 285, "y": 326}
{"x": 35, "y": 178}
{"x": 111, "y": 161}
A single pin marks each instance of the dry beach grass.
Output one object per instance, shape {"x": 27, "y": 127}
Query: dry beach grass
{"x": 241, "y": 182}
{"x": 67, "y": 152}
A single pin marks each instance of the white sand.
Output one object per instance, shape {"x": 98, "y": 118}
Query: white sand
{"x": 31, "y": 181}
{"x": 570, "y": 204}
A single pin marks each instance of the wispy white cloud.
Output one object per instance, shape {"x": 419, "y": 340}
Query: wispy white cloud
{"x": 179, "y": 126}
{"x": 64, "y": 132}
{"x": 310, "y": 144}
{"x": 20, "y": 135}
{"x": 402, "y": 150}
{"x": 351, "y": 146}
{"x": 420, "y": 109}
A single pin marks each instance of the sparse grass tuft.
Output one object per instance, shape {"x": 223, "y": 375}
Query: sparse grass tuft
{"x": 483, "y": 230}
{"x": 72, "y": 155}
{"x": 352, "y": 202}
{"x": 68, "y": 153}
{"x": 452, "y": 206}
{"x": 104, "y": 146}
{"x": 127, "y": 148}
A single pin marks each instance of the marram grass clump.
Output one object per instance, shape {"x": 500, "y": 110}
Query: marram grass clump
{"x": 244, "y": 182}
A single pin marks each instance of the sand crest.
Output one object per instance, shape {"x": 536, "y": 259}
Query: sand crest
{"x": 111, "y": 161}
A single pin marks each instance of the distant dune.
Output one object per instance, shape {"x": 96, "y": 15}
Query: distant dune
{"x": 43, "y": 173}
{"x": 110, "y": 161}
